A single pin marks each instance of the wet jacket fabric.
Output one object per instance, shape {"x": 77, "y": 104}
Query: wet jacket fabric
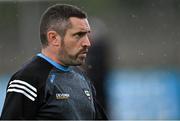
{"x": 43, "y": 89}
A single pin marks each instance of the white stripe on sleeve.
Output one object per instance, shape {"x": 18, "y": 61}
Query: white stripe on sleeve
{"x": 22, "y": 87}
{"x": 22, "y": 92}
{"x": 24, "y": 83}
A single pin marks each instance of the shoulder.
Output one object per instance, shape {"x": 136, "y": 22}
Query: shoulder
{"x": 34, "y": 69}
{"x": 30, "y": 78}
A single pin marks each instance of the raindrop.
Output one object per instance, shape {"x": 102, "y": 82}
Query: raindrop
{"x": 160, "y": 14}
{"x": 165, "y": 25}
{"x": 11, "y": 60}
{"x": 178, "y": 33}
{"x": 177, "y": 42}
{"x": 133, "y": 16}
{"x": 141, "y": 27}
{"x": 89, "y": 66}
{"x": 15, "y": 2}
{"x": 164, "y": 43}
{"x": 153, "y": 4}
{"x": 22, "y": 52}
{"x": 172, "y": 33}
{"x": 141, "y": 53}
{"x": 35, "y": 49}
{"x": 165, "y": 55}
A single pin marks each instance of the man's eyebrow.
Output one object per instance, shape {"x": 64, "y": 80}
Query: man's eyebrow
{"x": 86, "y": 31}
{"x": 82, "y": 32}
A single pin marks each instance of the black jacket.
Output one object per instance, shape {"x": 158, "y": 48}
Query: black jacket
{"x": 43, "y": 89}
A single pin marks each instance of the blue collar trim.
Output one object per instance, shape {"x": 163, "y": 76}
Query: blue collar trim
{"x": 60, "y": 67}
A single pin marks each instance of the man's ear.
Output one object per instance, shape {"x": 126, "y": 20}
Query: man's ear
{"x": 53, "y": 38}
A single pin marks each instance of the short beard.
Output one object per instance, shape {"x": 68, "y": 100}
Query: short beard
{"x": 70, "y": 60}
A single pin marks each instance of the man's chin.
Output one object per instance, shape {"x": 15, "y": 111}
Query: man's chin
{"x": 80, "y": 61}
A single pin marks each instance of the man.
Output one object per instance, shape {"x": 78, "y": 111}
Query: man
{"x": 48, "y": 87}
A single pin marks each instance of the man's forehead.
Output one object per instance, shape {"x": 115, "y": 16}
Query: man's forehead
{"x": 80, "y": 24}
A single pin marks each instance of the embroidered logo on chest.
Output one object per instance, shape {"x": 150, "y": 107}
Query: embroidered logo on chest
{"x": 62, "y": 96}
{"x": 87, "y": 93}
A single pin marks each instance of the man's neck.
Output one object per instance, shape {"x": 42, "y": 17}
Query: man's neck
{"x": 53, "y": 56}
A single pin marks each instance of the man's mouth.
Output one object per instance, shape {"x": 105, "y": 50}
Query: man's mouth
{"x": 84, "y": 52}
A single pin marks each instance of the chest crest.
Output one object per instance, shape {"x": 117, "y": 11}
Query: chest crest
{"x": 87, "y": 93}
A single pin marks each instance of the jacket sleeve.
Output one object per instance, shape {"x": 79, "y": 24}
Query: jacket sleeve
{"x": 21, "y": 99}
{"x": 100, "y": 113}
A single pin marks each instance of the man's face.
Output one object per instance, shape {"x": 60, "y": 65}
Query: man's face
{"x": 74, "y": 46}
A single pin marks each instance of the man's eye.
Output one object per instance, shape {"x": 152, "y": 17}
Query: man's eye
{"x": 80, "y": 34}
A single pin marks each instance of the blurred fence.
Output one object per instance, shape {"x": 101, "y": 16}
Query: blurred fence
{"x": 144, "y": 95}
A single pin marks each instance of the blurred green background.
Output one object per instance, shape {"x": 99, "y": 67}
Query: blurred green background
{"x": 135, "y": 58}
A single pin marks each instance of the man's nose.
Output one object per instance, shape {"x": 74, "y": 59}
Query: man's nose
{"x": 86, "y": 42}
